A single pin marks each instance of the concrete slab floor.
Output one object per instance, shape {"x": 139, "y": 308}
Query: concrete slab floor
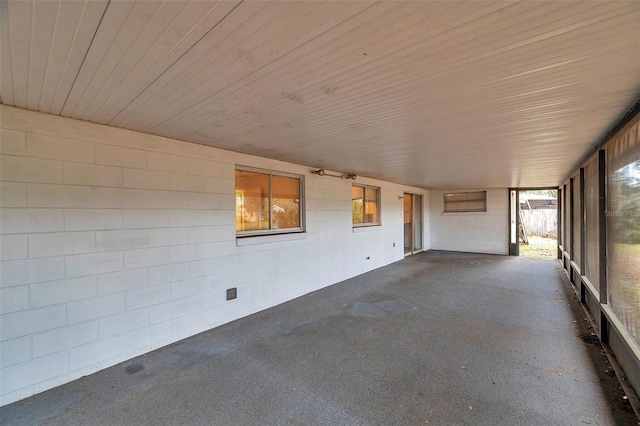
{"x": 438, "y": 338}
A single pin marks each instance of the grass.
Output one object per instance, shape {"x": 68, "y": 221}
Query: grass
{"x": 539, "y": 247}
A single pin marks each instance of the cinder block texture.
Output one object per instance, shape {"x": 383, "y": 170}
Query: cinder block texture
{"x": 114, "y": 243}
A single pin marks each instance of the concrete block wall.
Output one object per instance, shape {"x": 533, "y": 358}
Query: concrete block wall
{"x": 114, "y": 243}
{"x": 471, "y": 232}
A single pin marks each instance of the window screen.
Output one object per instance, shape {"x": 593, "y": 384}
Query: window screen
{"x": 465, "y": 202}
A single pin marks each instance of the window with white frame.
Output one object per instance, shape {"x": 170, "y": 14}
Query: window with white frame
{"x": 268, "y": 202}
{"x": 460, "y": 202}
{"x": 365, "y": 205}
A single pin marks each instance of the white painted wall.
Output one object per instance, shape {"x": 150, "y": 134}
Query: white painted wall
{"x": 471, "y": 232}
{"x": 114, "y": 243}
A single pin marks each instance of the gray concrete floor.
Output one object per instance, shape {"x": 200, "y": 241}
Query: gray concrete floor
{"x": 438, "y": 338}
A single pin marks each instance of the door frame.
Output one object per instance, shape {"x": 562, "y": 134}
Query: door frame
{"x": 413, "y": 250}
{"x": 514, "y": 248}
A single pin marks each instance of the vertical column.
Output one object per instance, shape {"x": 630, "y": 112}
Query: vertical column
{"x": 583, "y": 237}
{"x": 560, "y": 229}
{"x": 514, "y": 222}
{"x": 602, "y": 206}
{"x": 572, "y": 227}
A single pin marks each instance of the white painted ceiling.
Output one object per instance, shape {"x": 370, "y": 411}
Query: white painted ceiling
{"x": 433, "y": 94}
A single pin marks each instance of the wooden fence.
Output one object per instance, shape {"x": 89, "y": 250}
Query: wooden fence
{"x": 541, "y": 222}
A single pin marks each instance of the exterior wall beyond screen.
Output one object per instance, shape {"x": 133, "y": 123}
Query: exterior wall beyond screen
{"x": 115, "y": 243}
{"x": 484, "y": 232}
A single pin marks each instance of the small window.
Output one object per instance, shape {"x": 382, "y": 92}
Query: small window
{"x": 366, "y": 205}
{"x": 268, "y": 202}
{"x": 465, "y": 202}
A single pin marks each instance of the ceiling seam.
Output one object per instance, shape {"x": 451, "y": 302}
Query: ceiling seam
{"x": 388, "y": 88}
{"x": 174, "y": 62}
{"x": 51, "y": 47}
{"x": 271, "y": 61}
{"x": 10, "y": 52}
{"x": 104, "y": 12}
{"x": 310, "y": 85}
{"x": 125, "y": 55}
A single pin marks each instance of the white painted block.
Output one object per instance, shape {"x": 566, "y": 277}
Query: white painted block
{"x": 187, "y": 305}
{"x": 62, "y": 291}
{"x": 188, "y": 288}
{"x": 215, "y": 298}
{"x": 222, "y": 313}
{"x": 204, "y": 267}
{"x": 204, "y": 168}
{"x": 91, "y": 175}
{"x": 96, "y": 307}
{"x": 123, "y": 322}
{"x": 166, "y": 163}
{"x": 64, "y": 338}
{"x": 13, "y": 247}
{"x": 45, "y": 146}
{"x": 13, "y": 194}
{"x": 94, "y": 263}
{"x": 23, "y": 393}
{"x": 145, "y": 179}
{"x": 203, "y": 201}
{"x": 160, "y": 313}
{"x": 188, "y": 218}
{"x": 120, "y": 198}
{"x": 188, "y": 325}
{"x": 13, "y": 142}
{"x": 168, "y": 237}
{"x": 27, "y": 271}
{"x": 15, "y": 351}
{"x": 168, "y": 273}
{"x": 221, "y": 185}
{"x": 121, "y": 239}
{"x": 228, "y": 168}
{"x": 148, "y": 296}
{"x": 34, "y": 371}
{"x": 61, "y": 243}
{"x": 166, "y": 199}
{"x": 228, "y": 233}
{"x": 221, "y": 281}
{"x": 24, "y": 323}
{"x": 204, "y": 234}
{"x": 42, "y": 195}
{"x": 92, "y": 219}
{"x": 187, "y": 253}
{"x": 96, "y": 352}
{"x": 238, "y": 261}
{"x": 221, "y": 217}
{"x": 118, "y": 156}
{"x": 142, "y": 258}
{"x": 221, "y": 248}
{"x": 122, "y": 281}
{"x": 134, "y": 219}
{"x": 228, "y": 201}
{"x": 14, "y": 299}
{"x": 181, "y": 148}
{"x": 25, "y": 169}
{"x": 149, "y": 337}
{"x": 257, "y": 275}
{"x": 180, "y": 182}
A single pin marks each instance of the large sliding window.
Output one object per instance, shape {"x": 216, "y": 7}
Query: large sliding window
{"x": 268, "y": 202}
{"x": 365, "y": 202}
{"x": 623, "y": 229}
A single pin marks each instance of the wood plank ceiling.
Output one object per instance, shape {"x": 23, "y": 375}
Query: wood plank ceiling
{"x": 433, "y": 94}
